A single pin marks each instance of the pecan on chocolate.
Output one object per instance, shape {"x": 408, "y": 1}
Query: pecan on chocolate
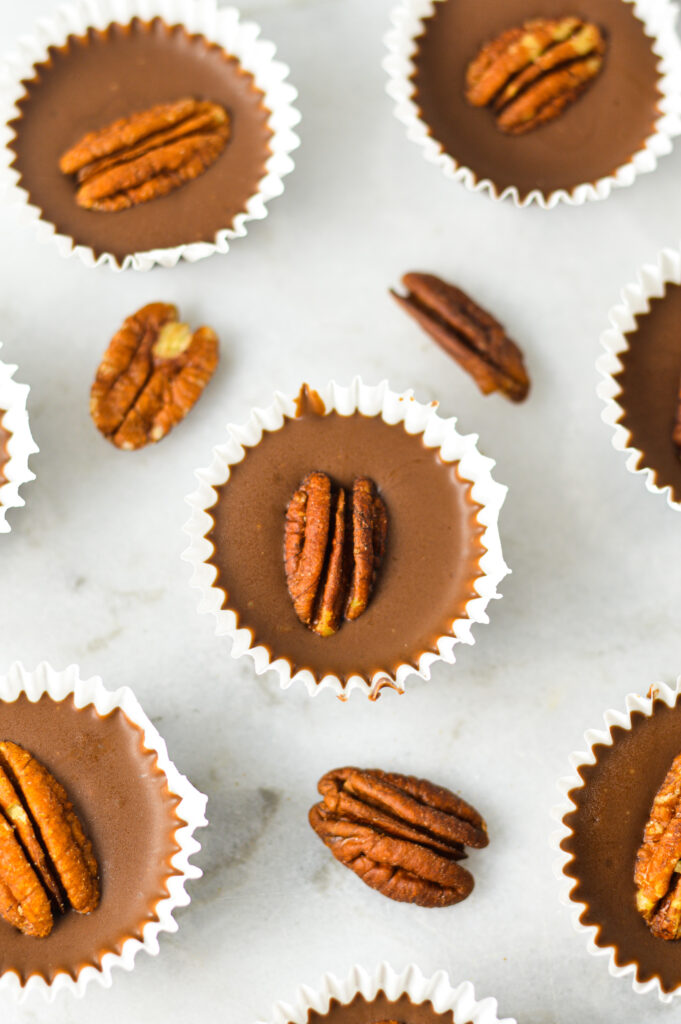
{"x": 152, "y": 373}
{"x": 46, "y": 859}
{"x": 333, "y": 549}
{"x": 466, "y": 332}
{"x": 658, "y": 862}
{"x": 146, "y": 155}
{"x": 531, "y": 73}
{"x": 403, "y": 836}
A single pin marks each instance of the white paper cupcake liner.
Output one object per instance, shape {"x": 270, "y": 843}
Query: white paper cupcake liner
{"x": 659, "y": 20}
{"x": 418, "y": 418}
{"x": 220, "y": 25}
{"x": 191, "y": 809}
{"x": 437, "y": 990}
{"x": 594, "y": 737}
{"x": 14, "y": 417}
{"x": 651, "y": 283}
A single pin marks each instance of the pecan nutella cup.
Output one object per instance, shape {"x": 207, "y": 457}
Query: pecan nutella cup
{"x": 606, "y": 805}
{"x": 615, "y": 131}
{"x": 641, "y": 371}
{"x": 16, "y": 443}
{"x": 156, "y": 53}
{"x": 135, "y": 808}
{"x": 384, "y": 995}
{"x": 441, "y": 559}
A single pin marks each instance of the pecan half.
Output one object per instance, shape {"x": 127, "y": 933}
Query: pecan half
{"x": 658, "y": 861}
{"x": 333, "y": 550}
{"x": 466, "y": 332}
{"x": 402, "y": 835}
{"x": 152, "y": 373}
{"x": 146, "y": 155}
{"x": 529, "y": 74}
{"x": 45, "y": 856}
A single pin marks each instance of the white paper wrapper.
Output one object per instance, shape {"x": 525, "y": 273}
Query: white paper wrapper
{"x": 19, "y": 447}
{"x": 593, "y": 737}
{"x": 437, "y": 990}
{"x": 393, "y": 408}
{"x": 191, "y": 809}
{"x": 651, "y": 283}
{"x": 659, "y": 19}
{"x": 219, "y": 25}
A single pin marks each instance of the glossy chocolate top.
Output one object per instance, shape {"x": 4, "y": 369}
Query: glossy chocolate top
{"x": 613, "y": 807}
{"x": 433, "y": 549}
{"x": 650, "y": 381}
{"x": 380, "y": 1009}
{"x": 589, "y": 140}
{"x": 92, "y": 81}
{"x": 123, "y": 802}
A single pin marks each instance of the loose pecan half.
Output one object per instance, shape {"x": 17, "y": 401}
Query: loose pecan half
{"x": 146, "y": 155}
{"x": 658, "y": 861}
{"x": 466, "y": 332}
{"x": 45, "y": 856}
{"x": 152, "y": 373}
{"x": 333, "y": 550}
{"x": 402, "y": 835}
{"x": 529, "y": 74}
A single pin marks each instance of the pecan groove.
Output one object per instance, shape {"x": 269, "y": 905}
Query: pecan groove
{"x": 147, "y": 155}
{"x": 468, "y": 333}
{"x": 658, "y": 861}
{"x": 333, "y": 549}
{"x": 530, "y": 74}
{"x": 403, "y": 836}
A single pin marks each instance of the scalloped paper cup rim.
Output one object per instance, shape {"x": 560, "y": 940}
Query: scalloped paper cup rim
{"x": 220, "y": 25}
{"x": 438, "y": 990}
{"x": 418, "y": 418}
{"x": 191, "y": 809}
{"x": 20, "y": 446}
{"x": 594, "y": 737}
{"x": 651, "y": 283}
{"x": 659, "y": 19}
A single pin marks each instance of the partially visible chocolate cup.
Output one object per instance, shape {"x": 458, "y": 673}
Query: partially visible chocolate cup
{"x": 16, "y": 443}
{"x": 137, "y": 810}
{"x": 606, "y": 804}
{"x": 385, "y": 996}
{"x": 641, "y": 371}
{"x": 442, "y": 565}
{"x": 617, "y": 130}
{"x": 102, "y": 61}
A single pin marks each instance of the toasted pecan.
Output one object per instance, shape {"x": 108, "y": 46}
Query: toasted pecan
{"x": 658, "y": 861}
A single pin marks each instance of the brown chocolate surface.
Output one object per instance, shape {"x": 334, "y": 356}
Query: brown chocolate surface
{"x": 4, "y": 454}
{"x": 591, "y": 139}
{"x": 123, "y": 802}
{"x": 431, "y": 561}
{"x": 97, "y": 78}
{"x": 650, "y": 381}
{"x": 613, "y": 807}
{"x": 380, "y": 1009}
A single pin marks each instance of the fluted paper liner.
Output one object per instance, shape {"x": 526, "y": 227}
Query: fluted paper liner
{"x": 191, "y": 809}
{"x": 220, "y": 25}
{"x": 418, "y": 418}
{"x": 659, "y": 21}
{"x": 595, "y": 737}
{"x": 651, "y": 283}
{"x": 14, "y": 417}
{"x": 438, "y": 990}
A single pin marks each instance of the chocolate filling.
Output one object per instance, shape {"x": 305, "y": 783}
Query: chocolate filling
{"x": 592, "y": 138}
{"x": 359, "y": 1011}
{"x": 613, "y": 807}
{"x": 95, "y": 79}
{"x": 122, "y": 799}
{"x": 431, "y": 561}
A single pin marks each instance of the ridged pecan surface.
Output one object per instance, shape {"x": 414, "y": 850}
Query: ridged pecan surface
{"x": 658, "y": 862}
{"x": 403, "y": 836}
{"x": 531, "y": 73}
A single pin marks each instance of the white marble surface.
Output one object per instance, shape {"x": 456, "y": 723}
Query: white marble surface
{"x": 91, "y": 572}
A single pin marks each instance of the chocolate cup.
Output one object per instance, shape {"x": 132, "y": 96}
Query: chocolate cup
{"x": 5, "y": 435}
{"x": 16, "y": 443}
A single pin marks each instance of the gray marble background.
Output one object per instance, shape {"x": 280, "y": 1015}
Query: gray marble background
{"x": 91, "y": 572}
